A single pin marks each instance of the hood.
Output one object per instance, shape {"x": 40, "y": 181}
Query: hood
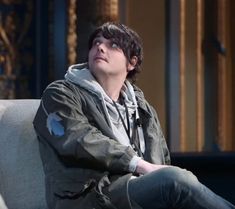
{"x": 80, "y": 75}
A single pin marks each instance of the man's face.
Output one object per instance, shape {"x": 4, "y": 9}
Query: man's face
{"x": 107, "y": 58}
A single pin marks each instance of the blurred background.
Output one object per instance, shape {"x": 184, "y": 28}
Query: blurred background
{"x": 188, "y": 71}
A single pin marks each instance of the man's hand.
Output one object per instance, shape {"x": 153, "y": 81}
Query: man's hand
{"x": 144, "y": 167}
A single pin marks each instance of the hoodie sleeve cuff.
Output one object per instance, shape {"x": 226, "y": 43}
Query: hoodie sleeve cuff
{"x": 133, "y": 164}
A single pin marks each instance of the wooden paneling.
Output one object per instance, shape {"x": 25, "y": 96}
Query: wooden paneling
{"x": 191, "y": 76}
{"x": 232, "y": 51}
{"x": 224, "y": 78}
{"x": 183, "y": 146}
{"x": 199, "y": 75}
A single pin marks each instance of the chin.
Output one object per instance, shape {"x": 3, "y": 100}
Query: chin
{"x": 99, "y": 66}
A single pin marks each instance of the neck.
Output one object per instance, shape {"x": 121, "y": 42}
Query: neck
{"x": 112, "y": 87}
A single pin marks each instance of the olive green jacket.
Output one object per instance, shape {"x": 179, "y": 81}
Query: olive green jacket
{"x": 85, "y": 166}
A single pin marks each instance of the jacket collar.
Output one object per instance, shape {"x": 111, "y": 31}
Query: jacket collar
{"x": 141, "y": 101}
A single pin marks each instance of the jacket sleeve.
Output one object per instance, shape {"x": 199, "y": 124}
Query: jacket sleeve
{"x": 164, "y": 146}
{"x": 62, "y": 122}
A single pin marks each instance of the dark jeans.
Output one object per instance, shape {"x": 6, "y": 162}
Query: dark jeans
{"x": 176, "y": 188}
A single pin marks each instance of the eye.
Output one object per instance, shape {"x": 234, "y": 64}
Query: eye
{"x": 96, "y": 42}
{"x": 114, "y": 45}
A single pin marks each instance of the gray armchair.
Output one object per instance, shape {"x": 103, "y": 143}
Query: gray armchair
{"x": 21, "y": 171}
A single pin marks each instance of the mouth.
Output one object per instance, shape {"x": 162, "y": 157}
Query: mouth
{"x": 97, "y": 58}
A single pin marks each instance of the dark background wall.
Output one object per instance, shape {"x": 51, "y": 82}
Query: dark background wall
{"x": 216, "y": 171}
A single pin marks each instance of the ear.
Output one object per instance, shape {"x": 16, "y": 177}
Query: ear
{"x": 131, "y": 65}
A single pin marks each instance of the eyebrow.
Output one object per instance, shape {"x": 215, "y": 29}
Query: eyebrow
{"x": 98, "y": 35}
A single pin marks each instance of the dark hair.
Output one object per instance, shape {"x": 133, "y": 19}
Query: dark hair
{"x": 127, "y": 39}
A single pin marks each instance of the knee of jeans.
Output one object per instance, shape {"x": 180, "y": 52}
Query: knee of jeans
{"x": 179, "y": 176}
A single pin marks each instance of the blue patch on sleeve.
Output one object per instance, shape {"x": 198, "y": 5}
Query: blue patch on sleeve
{"x": 54, "y": 124}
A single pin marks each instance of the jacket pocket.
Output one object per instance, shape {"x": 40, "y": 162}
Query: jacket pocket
{"x": 88, "y": 194}
{"x": 102, "y": 199}
{"x": 73, "y": 190}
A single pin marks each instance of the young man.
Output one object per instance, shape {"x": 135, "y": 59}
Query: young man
{"x": 100, "y": 141}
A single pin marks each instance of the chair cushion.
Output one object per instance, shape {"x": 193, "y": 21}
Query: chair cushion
{"x": 21, "y": 173}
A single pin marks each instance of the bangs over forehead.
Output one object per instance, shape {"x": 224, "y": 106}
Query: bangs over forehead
{"x": 116, "y": 32}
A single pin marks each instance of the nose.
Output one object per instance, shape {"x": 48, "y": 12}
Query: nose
{"x": 101, "y": 47}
